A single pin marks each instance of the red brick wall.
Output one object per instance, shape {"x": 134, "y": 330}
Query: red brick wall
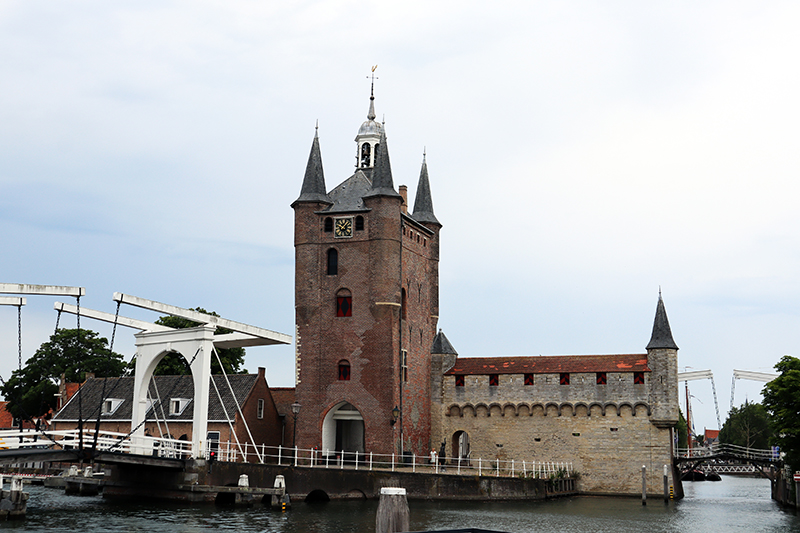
{"x": 374, "y": 265}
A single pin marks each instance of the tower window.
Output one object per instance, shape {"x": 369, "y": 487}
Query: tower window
{"x": 494, "y": 380}
{"x": 638, "y": 378}
{"x": 359, "y": 223}
{"x": 460, "y": 380}
{"x": 365, "y": 153}
{"x": 564, "y": 378}
{"x": 328, "y": 225}
{"x": 528, "y": 379}
{"x": 405, "y": 365}
{"x": 344, "y": 370}
{"x": 333, "y": 262}
{"x": 344, "y": 303}
{"x": 260, "y": 410}
{"x": 601, "y": 378}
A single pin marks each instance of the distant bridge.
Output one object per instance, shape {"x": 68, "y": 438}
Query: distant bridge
{"x": 730, "y": 459}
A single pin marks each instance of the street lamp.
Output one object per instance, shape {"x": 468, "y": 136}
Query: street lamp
{"x": 295, "y": 411}
{"x": 395, "y": 415}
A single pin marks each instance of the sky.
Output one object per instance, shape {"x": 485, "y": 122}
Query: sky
{"x": 582, "y": 156}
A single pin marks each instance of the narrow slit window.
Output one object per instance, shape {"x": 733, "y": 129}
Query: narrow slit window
{"x": 328, "y": 225}
{"x": 359, "y": 223}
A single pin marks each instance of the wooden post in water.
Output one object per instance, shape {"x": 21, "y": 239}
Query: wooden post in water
{"x": 666, "y": 485}
{"x": 392, "y": 511}
{"x": 644, "y": 485}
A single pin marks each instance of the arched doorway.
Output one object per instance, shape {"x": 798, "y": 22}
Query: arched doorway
{"x": 461, "y": 445}
{"x": 343, "y": 430}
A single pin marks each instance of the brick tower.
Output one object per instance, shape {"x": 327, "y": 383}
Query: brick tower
{"x": 366, "y": 304}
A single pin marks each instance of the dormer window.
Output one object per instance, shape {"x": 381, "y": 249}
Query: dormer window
{"x": 110, "y": 405}
{"x": 177, "y": 406}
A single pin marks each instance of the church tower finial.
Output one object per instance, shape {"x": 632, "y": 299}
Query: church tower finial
{"x": 368, "y": 138}
{"x": 662, "y": 334}
{"x": 423, "y": 204}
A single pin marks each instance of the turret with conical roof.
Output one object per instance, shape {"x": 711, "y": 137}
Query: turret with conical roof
{"x": 313, "y": 189}
{"x": 382, "y": 182}
{"x": 423, "y": 204}
{"x": 662, "y": 360}
{"x": 368, "y": 138}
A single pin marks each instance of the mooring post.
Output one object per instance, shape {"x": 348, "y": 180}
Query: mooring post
{"x": 797, "y": 489}
{"x": 392, "y": 511}
{"x": 666, "y": 485}
{"x": 644, "y": 485}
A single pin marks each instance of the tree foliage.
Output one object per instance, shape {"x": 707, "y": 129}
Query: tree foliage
{"x": 31, "y": 391}
{"x": 174, "y": 364}
{"x": 747, "y": 426}
{"x": 681, "y": 431}
{"x": 782, "y": 400}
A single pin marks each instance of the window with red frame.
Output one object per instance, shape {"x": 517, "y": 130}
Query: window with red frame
{"x": 564, "y": 378}
{"x": 459, "y": 381}
{"x": 344, "y": 371}
{"x": 494, "y": 380}
{"x": 602, "y": 379}
{"x": 638, "y": 378}
{"x": 344, "y": 306}
{"x": 528, "y": 379}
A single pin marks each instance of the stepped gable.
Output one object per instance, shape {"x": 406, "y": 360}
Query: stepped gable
{"x": 550, "y": 364}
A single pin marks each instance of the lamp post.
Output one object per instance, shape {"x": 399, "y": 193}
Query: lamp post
{"x": 295, "y": 411}
{"x": 395, "y": 415}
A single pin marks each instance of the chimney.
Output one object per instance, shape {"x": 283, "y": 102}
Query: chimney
{"x": 262, "y": 373}
{"x": 404, "y": 193}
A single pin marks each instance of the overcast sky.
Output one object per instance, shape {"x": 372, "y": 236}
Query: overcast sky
{"x": 581, "y": 154}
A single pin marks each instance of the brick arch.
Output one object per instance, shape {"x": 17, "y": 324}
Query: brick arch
{"x": 562, "y": 405}
{"x": 454, "y": 410}
{"x": 580, "y": 404}
{"x": 642, "y": 404}
{"x": 540, "y": 406}
{"x": 610, "y": 404}
{"x": 626, "y": 404}
{"x": 495, "y": 407}
{"x": 482, "y": 408}
{"x": 467, "y": 409}
{"x": 523, "y": 409}
{"x": 597, "y": 404}
{"x": 513, "y": 408}
{"x": 552, "y": 404}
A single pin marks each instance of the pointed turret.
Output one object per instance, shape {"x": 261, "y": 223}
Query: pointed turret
{"x": 382, "y": 182}
{"x": 442, "y": 346}
{"x": 662, "y": 334}
{"x": 423, "y": 204}
{"x": 313, "y": 189}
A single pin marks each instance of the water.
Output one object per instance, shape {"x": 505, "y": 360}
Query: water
{"x": 734, "y": 504}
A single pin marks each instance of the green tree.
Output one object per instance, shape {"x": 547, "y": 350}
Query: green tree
{"x": 31, "y": 390}
{"x": 680, "y": 429}
{"x": 782, "y": 400}
{"x": 747, "y": 426}
{"x": 174, "y": 364}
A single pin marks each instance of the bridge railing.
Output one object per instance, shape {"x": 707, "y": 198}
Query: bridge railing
{"x": 718, "y": 449}
{"x": 408, "y": 462}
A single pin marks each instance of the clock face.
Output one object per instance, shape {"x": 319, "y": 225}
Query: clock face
{"x": 343, "y": 227}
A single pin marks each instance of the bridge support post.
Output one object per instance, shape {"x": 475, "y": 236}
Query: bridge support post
{"x": 644, "y": 485}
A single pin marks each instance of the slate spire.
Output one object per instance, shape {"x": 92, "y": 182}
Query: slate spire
{"x": 382, "y": 182}
{"x": 423, "y": 204}
{"x": 313, "y": 189}
{"x": 441, "y": 345}
{"x": 662, "y": 334}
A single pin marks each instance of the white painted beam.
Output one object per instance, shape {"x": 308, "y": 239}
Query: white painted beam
{"x": 697, "y": 374}
{"x": 13, "y": 300}
{"x": 46, "y": 290}
{"x": 764, "y": 377}
{"x": 267, "y": 336}
{"x": 108, "y": 317}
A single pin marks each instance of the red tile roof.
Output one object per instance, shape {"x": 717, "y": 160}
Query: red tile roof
{"x": 550, "y": 364}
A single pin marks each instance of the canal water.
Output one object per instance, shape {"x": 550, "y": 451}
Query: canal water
{"x": 734, "y": 504}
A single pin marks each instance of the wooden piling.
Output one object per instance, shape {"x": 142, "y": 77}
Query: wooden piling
{"x": 644, "y": 485}
{"x": 392, "y": 511}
